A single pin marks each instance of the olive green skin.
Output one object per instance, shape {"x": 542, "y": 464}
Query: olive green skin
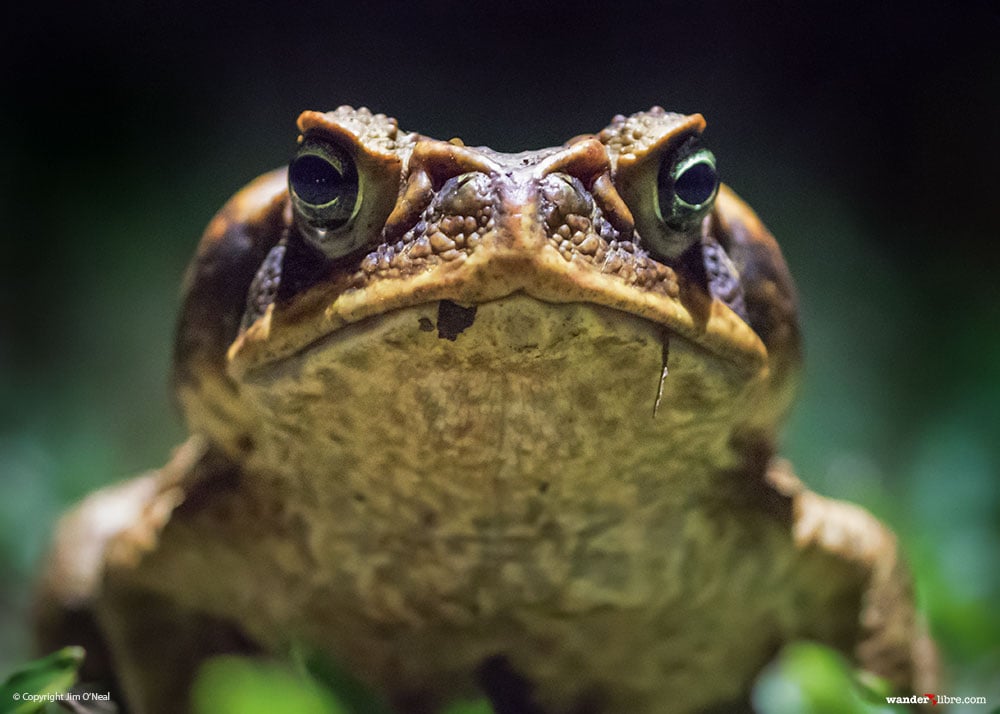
{"x": 516, "y": 438}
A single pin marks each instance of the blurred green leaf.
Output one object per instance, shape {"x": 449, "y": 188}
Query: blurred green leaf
{"x": 872, "y": 688}
{"x": 809, "y": 678}
{"x": 312, "y": 685}
{"x": 53, "y": 674}
{"x": 476, "y": 706}
{"x": 239, "y": 685}
{"x": 358, "y": 698}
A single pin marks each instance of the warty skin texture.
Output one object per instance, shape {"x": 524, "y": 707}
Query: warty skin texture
{"x": 519, "y": 438}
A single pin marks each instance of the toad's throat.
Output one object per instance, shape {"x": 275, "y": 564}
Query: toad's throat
{"x": 526, "y": 392}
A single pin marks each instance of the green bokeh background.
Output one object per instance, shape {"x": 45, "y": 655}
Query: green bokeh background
{"x": 866, "y": 136}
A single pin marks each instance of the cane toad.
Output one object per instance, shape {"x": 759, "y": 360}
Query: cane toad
{"x": 463, "y": 418}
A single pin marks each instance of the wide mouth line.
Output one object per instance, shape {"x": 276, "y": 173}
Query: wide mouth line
{"x": 341, "y": 331}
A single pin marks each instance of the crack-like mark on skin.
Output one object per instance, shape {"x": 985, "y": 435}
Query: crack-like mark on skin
{"x": 663, "y": 375}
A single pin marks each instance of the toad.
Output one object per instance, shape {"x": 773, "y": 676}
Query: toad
{"x": 466, "y": 420}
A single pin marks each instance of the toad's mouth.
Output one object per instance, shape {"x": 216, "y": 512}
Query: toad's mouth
{"x": 491, "y": 275}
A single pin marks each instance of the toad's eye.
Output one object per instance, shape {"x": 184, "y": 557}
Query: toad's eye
{"x": 318, "y": 182}
{"x": 686, "y": 186}
{"x": 323, "y": 181}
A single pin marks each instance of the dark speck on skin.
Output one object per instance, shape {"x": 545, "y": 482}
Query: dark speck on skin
{"x": 453, "y": 319}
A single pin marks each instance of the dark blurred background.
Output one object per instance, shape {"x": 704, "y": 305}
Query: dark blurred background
{"x": 865, "y": 135}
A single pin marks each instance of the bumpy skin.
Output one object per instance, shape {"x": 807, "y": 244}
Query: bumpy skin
{"x": 505, "y": 444}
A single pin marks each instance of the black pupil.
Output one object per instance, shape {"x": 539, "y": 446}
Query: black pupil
{"x": 696, "y": 183}
{"x": 316, "y": 180}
